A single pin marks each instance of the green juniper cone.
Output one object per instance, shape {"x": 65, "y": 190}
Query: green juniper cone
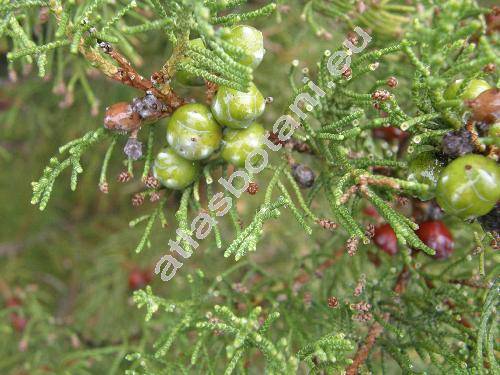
{"x": 425, "y": 168}
{"x": 238, "y": 144}
{"x": 193, "y": 133}
{"x": 472, "y": 89}
{"x": 469, "y": 186}
{"x": 173, "y": 171}
{"x": 236, "y": 109}
{"x": 250, "y": 40}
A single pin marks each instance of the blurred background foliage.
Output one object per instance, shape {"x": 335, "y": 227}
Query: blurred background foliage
{"x": 70, "y": 264}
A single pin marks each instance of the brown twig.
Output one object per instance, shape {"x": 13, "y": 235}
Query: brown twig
{"x": 362, "y": 354}
{"x": 376, "y": 329}
{"x": 470, "y": 283}
{"x": 292, "y": 144}
{"x": 127, "y": 75}
{"x": 303, "y": 278}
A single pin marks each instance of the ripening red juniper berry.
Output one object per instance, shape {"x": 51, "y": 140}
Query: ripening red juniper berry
{"x": 17, "y": 321}
{"x": 386, "y": 239}
{"x": 437, "y": 236}
{"x": 138, "y": 279}
{"x": 389, "y": 133}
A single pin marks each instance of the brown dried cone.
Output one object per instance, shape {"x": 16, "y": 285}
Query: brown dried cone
{"x": 352, "y": 245}
{"x": 151, "y": 182}
{"x": 137, "y": 199}
{"x": 347, "y": 73}
{"x": 154, "y": 196}
{"x": 253, "y": 188}
{"x": 122, "y": 118}
{"x": 381, "y": 95}
{"x": 124, "y": 176}
{"x": 392, "y": 82}
{"x": 327, "y": 224}
{"x": 370, "y": 231}
{"x": 333, "y": 302}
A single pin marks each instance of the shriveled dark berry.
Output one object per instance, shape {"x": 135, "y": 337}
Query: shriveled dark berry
{"x": 149, "y": 107}
{"x": 303, "y": 175}
{"x": 133, "y": 149}
{"x": 491, "y": 221}
{"x": 457, "y": 143}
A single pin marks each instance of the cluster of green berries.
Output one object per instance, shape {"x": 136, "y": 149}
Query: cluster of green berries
{"x": 197, "y": 132}
{"x": 465, "y": 176}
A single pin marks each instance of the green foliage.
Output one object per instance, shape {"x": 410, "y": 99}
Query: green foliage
{"x": 312, "y": 294}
